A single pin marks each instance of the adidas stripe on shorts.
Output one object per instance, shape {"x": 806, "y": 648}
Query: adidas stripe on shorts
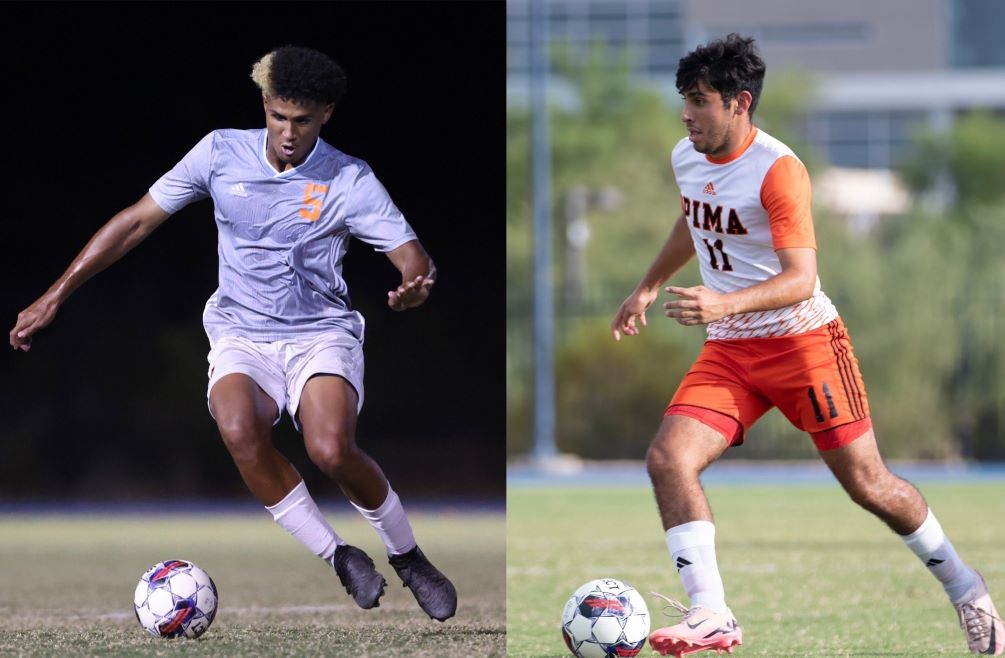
{"x": 813, "y": 378}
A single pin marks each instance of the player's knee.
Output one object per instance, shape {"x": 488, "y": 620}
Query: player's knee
{"x": 243, "y": 437}
{"x": 333, "y": 452}
{"x": 868, "y": 493}
{"x": 657, "y": 459}
{"x": 664, "y": 456}
{"x": 245, "y": 449}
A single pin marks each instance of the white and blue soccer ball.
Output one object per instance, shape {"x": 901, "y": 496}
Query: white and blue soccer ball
{"x": 175, "y": 598}
{"x": 605, "y": 618}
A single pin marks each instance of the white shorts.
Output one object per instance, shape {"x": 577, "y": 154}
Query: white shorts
{"x": 282, "y": 368}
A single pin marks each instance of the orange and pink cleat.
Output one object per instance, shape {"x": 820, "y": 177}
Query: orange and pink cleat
{"x": 701, "y": 629}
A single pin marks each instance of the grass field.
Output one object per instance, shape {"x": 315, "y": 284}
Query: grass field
{"x": 806, "y": 572}
{"x": 66, "y": 586}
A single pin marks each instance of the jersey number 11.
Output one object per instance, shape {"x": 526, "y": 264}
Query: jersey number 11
{"x": 712, "y": 248}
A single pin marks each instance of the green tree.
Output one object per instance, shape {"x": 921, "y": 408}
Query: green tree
{"x": 970, "y": 158}
{"x": 971, "y": 155}
{"x": 921, "y": 295}
{"x": 620, "y": 135}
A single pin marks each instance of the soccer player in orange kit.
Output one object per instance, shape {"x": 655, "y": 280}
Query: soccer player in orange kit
{"x": 774, "y": 339}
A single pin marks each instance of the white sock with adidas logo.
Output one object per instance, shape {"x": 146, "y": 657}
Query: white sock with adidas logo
{"x": 930, "y": 544}
{"x": 692, "y": 547}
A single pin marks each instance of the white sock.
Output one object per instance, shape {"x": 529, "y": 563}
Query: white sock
{"x": 299, "y": 515}
{"x": 933, "y": 547}
{"x": 391, "y": 524}
{"x": 692, "y": 547}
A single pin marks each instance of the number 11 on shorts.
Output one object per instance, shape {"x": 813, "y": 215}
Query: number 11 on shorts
{"x": 817, "y": 411}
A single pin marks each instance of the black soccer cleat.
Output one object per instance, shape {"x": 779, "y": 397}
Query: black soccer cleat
{"x": 434, "y": 591}
{"x": 356, "y": 572}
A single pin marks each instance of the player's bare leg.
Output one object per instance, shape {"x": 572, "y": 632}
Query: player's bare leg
{"x": 327, "y": 412}
{"x": 859, "y": 468}
{"x": 861, "y": 471}
{"x": 244, "y": 414}
{"x": 682, "y": 449}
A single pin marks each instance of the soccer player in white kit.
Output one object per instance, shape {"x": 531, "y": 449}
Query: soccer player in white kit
{"x": 282, "y": 333}
{"x": 774, "y": 339}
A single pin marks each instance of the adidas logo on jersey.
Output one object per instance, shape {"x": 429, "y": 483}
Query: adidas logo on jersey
{"x": 709, "y": 189}
{"x": 237, "y": 190}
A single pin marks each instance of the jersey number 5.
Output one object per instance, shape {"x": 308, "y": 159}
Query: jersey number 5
{"x": 313, "y": 210}
{"x": 712, "y": 248}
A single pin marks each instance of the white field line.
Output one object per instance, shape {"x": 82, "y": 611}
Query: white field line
{"x": 85, "y": 615}
{"x": 601, "y": 569}
{"x": 10, "y": 614}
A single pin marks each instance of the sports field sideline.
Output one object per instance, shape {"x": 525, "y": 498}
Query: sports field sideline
{"x": 69, "y": 582}
{"x": 806, "y": 572}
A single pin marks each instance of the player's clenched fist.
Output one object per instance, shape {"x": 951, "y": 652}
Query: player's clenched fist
{"x": 37, "y": 316}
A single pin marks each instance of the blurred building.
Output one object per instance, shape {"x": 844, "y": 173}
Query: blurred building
{"x": 883, "y": 69}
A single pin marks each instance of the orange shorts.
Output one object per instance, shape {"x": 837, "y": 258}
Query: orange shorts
{"x": 813, "y": 379}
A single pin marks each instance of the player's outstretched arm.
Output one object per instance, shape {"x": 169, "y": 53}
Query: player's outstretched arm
{"x": 676, "y": 252}
{"x": 418, "y": 274}
{"x": 112, "y": 241}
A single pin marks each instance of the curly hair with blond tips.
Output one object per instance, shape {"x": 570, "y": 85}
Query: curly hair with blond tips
{"x": 300, "y": 74}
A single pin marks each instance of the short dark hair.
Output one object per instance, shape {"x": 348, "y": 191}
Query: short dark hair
{"x": 729, "y": 66}
{"x": 300, "y": 74}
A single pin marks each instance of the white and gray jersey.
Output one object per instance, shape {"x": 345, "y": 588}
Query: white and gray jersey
{"x": 282, "y": 235}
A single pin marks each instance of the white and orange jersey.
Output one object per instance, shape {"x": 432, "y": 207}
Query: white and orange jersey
{"x": 740, "y": 209}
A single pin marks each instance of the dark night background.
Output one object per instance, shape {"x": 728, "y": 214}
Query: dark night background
{"x": 101, "y": 99}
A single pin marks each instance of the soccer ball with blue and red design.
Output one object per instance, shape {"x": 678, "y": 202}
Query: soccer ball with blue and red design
{"x": 175, "y": 599}
{"x": 605, "y": 618}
